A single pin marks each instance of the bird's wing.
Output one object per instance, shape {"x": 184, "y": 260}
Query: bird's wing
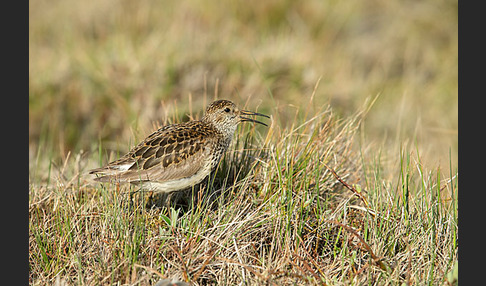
{"x": 169, "y": 153}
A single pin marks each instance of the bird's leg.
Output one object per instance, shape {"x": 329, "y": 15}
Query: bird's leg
{"x": 134, "y": 198}
{"x": 151, "y": 200}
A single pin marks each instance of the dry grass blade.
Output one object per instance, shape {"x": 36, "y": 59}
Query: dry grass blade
{"x": 358, "y": 194}
{"x": 205, "y": 263}
{"x": 308, "y": 268}
{"x": 376, "y": 259}
{"x": 185, "y": 270}
{"x": 247, "y": 267}
{"x": 150, "y": 269}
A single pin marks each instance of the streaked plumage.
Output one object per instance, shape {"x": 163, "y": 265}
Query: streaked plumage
{"x": 178, "y": 156}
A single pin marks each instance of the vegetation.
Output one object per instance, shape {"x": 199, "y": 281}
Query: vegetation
{"x": 354, "y": 181}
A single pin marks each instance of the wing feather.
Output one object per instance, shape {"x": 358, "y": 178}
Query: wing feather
{"x": 170, "y": 153}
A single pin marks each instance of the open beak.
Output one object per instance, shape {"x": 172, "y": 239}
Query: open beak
{"x": 246, "y": 112}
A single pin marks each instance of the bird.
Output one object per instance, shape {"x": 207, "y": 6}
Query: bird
{"x": 178, "y": 156}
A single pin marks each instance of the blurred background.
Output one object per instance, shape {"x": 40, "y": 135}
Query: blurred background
{"x": 109, "y": 72}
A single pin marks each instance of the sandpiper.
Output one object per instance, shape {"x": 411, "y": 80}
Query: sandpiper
{"x": 178, "y": 156}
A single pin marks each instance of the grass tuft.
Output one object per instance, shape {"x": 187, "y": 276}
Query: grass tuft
{"x": 274, "y": 212}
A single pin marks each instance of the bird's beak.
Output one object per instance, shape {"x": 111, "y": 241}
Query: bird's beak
{"x": 246, "y": 112}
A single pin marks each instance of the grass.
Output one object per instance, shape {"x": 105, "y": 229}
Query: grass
{"x": 355, "y": 181}
{"x": 279, "y": 216}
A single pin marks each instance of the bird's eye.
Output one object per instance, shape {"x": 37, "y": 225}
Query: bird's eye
{"x": 227, "y": 110}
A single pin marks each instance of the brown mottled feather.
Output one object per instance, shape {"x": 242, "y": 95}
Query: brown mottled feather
{"x": 160, "y": 156}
